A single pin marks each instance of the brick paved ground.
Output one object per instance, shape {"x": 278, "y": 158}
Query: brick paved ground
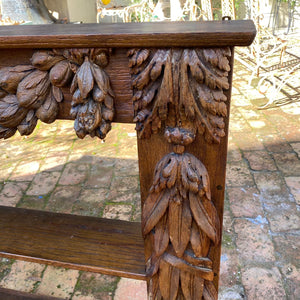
{"x": 261, "y": 236}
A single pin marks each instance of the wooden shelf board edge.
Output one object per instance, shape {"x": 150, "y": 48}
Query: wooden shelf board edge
{"x": 111, "y": 247}
{"x": 156, "y": 34}
{"x": 73, "y": 266}
{"x": 8, "y": 294}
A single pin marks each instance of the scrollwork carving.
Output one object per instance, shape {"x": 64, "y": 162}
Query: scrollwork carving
{"x": 32, "y": 92}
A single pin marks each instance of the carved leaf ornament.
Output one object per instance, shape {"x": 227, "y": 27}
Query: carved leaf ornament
{"x": 32, "y": 92}
{"x": 180, "y": 84}
{"x": 182, "y": 91}
{"x": 182, "y": 222}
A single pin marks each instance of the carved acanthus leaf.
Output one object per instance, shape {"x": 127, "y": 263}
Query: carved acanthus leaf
{"x": 186, "y": 86}
{"x": 180, "y": 178}
{"x": 181, "y": 221}
{"x": 32, "y": 92}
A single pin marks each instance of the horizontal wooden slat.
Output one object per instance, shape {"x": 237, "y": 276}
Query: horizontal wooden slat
{"x": 110, "y": 247}
{"x": 6, "y": 294}
{"x": 159, "y": 34}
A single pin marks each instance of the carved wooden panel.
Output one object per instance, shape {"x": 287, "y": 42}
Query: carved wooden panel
{"x": 32, "y": 92}
{"x": 180, "y": 92}
{"x": 180, "y": 85}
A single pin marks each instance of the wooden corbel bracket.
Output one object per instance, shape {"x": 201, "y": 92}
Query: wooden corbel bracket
{"x": 174, "y": 81}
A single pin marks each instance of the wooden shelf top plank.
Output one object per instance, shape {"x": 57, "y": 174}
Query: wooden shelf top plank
{"x": 156, "y": 34}
{"x": 111, "y": 247}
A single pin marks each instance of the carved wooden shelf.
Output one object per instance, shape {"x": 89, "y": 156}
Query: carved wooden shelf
{"x": 175, "y": 34}
{"x": 174, "y": 81}
{"x": 84, "y": 243}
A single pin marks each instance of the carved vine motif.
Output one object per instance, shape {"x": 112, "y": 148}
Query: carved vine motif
{"x": 180, "y": 84}
{"x": 32, "y": 92}
{"x": 181, "y": 222}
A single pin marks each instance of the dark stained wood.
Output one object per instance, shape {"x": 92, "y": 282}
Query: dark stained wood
{"x": 6, "y": 294}
{"x": 177, "y": 34}
{"x": 110, "y": 247}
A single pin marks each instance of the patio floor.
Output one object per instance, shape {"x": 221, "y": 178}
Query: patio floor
{"x": 261, "y": 234}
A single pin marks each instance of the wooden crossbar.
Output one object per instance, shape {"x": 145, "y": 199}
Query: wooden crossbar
{"x": 105, "y": 246}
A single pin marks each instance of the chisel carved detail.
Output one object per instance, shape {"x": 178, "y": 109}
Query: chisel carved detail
{"x": 32, "y": 92}
{"x": 180, "y": 91}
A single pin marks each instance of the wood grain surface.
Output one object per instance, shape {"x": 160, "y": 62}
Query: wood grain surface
{"x": 117, "y": 70}
{"x": 190, "y": 72}
{"x": 105, "y": 246}
{"x": 7, "y": 294}
{"x": 212, "y": 155}
{"x": 160, "y": 34}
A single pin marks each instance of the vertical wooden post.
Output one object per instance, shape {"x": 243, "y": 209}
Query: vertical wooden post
{"x": 181, "y": 99}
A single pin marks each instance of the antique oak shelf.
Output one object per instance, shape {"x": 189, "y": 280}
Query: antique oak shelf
{"x": 175, "y": 34}
{"x": 174, "y": 81}
{"x": 85, "y": 243}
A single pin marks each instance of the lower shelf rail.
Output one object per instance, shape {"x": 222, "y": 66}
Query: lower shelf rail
{"x": 111, "y": 247}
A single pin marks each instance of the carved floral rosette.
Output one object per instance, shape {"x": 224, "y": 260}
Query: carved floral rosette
{"x": 32, "y": 92}
{"x": 180, "y": 91}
